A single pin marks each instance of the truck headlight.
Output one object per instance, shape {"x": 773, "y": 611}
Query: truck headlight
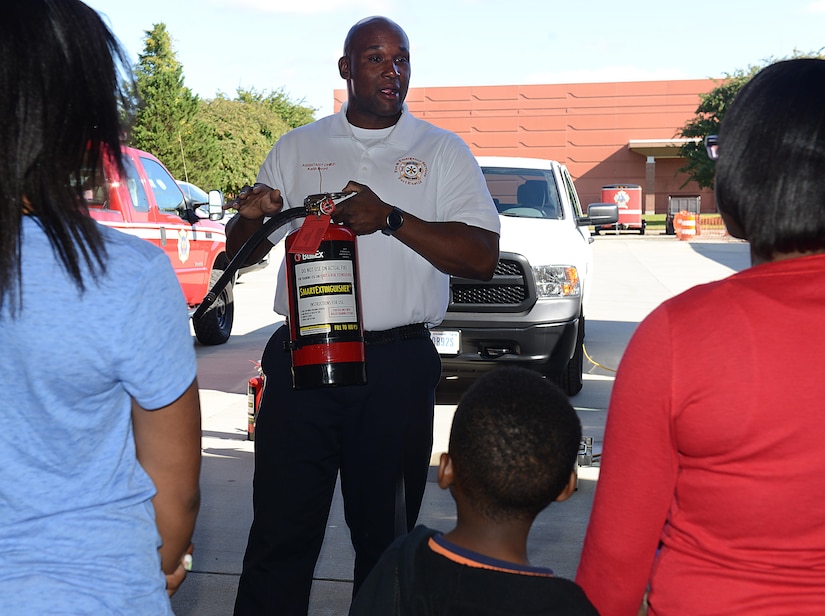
{"x": 556, "y": 281}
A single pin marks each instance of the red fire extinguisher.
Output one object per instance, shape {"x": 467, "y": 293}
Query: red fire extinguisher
{"x": 326, "y": 334}
{"x": 254, "y": 391}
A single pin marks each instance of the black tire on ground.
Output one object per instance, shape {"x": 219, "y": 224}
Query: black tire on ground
{"x": 215, "y": 326}
{"x": 642, "y": 230}
{"x": 571, "y": 380}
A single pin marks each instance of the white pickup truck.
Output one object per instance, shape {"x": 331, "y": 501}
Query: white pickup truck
{"x": 532, "y": 312}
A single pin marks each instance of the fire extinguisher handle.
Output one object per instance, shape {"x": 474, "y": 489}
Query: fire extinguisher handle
{"x": 278, "y": 220}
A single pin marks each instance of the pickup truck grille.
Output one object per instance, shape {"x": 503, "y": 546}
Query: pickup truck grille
{"x": 508, "y": 268}
{"x": 510, "y": 290}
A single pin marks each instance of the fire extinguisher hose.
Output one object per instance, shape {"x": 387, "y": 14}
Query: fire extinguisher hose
{"x": 278, "y": 220}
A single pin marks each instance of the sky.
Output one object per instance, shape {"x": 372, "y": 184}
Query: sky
{"x": 294, "y": 45}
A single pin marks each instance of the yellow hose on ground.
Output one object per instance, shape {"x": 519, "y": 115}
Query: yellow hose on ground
{"x": 594, "y": 362}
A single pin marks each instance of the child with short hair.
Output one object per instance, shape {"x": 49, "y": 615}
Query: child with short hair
{"x": 512, "y": 451}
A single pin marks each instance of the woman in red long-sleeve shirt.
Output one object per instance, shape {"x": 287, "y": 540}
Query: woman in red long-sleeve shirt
{"x": 710, "y": 492}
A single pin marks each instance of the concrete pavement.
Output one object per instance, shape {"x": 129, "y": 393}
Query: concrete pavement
{"x": 633, "y": 275}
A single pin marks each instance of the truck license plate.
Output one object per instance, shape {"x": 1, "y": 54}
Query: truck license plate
{"x": 445, "y": 341}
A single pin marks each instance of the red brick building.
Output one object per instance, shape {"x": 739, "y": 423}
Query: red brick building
{"x": 606, "y": 133}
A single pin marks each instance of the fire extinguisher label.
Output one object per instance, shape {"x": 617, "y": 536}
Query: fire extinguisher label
{"x": 325, "y": 334}
{"x": 326, "y": 297}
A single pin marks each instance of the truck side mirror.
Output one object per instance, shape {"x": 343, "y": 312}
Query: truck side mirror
{"x": 215, "y": 205}
{"x": 600, "y": 214}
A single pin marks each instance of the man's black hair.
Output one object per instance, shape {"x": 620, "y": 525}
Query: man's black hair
{"x": 514, "y": 442}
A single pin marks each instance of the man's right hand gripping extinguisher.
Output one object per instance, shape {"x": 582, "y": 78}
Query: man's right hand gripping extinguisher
{"x": 325, "y": 331}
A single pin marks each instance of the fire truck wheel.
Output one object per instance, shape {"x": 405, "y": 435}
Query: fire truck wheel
{"x": 215, "y": 326}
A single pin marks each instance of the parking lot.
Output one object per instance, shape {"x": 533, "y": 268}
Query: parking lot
{"x": 633, "y": 275}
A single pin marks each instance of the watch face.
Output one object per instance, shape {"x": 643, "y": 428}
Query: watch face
{"x": 395, "y": 220}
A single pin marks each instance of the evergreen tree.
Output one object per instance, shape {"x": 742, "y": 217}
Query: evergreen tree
{"x": 168, "y": 123}
{"x": 218, "y": 143}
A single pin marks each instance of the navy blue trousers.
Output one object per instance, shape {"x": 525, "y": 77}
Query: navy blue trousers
{"x": 371, "y": 434}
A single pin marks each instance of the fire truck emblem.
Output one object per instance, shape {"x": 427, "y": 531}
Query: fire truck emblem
{"x": 411, "y": 170}
{"x": 183, "y": 245}
{"x": 622, "y": 199}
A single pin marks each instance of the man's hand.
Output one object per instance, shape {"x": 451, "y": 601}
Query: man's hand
{"x": 254, "y": 203}
{"x": 257, "y": 201}
{"x": 364, "y": 213}
{"x": 453, "y": 247}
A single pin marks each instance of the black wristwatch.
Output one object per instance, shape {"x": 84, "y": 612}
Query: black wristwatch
{"x": 394, "y": 221}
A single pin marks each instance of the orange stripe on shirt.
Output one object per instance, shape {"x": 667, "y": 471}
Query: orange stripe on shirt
{"x": 442, "y": 547}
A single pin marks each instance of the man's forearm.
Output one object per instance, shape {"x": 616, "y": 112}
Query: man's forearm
{"x": 453, "y": 247}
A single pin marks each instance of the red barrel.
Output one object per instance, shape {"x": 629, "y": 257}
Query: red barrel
{"x": 254, "y": 391}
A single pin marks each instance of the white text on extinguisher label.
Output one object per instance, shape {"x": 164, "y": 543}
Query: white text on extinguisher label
{"x": 326, "y": 296}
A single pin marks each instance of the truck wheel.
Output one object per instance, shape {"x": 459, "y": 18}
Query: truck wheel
{"x": 571, "y": 380}
{"x": 215, "y": 326}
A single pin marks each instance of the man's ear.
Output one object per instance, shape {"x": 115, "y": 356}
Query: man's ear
{"x": 569, "y": 488}
{"x": 445, "y": 471}
{"x": 343, "y": 67}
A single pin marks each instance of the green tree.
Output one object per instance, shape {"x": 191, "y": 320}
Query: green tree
{"x": 218, "y": 143}
{"x": 168, "y": 123}
{"x": 709, "y": 114}
{"x": 245, "y": 130}
{"x": 294, "y": 113}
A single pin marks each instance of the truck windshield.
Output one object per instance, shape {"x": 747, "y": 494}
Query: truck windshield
{"x": 99, "y": 187}
{"x": 524, "y": 193}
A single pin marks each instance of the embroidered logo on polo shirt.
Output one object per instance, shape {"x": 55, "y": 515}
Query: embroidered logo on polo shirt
{"x": 411, "y": 170}
{"x": 317, "y": 166}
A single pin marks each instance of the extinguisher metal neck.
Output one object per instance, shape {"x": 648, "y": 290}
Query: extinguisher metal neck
{"x": 324, "y": 203}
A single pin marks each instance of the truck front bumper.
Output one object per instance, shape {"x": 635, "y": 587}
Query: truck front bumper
{"x": 545, "y": 347}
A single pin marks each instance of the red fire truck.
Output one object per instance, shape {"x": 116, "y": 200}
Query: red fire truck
{"x": 148, "y": 203}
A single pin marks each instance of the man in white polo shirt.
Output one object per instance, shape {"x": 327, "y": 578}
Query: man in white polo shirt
{"x": 422, "y": 212}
